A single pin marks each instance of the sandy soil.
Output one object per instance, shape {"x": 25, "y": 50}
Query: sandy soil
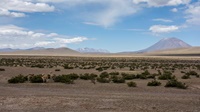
{"x": 84, "y": 96}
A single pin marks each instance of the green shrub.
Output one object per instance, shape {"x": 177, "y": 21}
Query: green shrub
{"x": 104, "y": 75}
{"x": 132, "y": 84}
{"x": 99, "y": 69}
{"x": 114, "y": 73}
{"x": 154, "y": 83}
{"x": 185, "y": 76}
{"x": 17, "y": 79}
{"x": 63, "y": 79}
{"x": 175, "y": 83}
{"x": 103, "y": 80}
{"x": 36, "y": 79}
{"x": 73, "y": 76}
{"x": 118, "y": 80}
{"x": 166, "y": 76}
{"x": 66, "y": 66}
{"x": 128, "y": 76}
{"x": 88, "y": 76}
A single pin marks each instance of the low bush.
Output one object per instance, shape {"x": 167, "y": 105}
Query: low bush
{"x": 73, "y": 76}
{"x": 36, "y": 79}
{"x": 175, "y": 83}
{"x": 128, "y": 76}
{"x": 57, "y": 70}
{"x": 63, "y": 79}
{"x": 88, "y": 76}
{"x": 104, "y": 75}
{"x": 166, "y": 76}
{"x": 118, "y": 80}
{"x": 154, "y": 83}
{"x": 185, "y": 76}
{"x": 103, "y": 80}
{"x": 132, "y": 84}
{"x": 2, "y": 69}
{"x": 17, "y": 79}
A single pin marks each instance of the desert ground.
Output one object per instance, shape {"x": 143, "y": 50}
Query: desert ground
{"x": 85, "y": 96}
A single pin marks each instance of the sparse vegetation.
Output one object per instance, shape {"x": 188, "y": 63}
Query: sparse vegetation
{"x": 17, "y": 79}
{"x": 175, "y": 83}
{"x": 154, "y": 83}
{"x": 132, "y": 84}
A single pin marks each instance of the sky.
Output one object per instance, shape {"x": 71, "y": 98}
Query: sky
{"x": 114, "y": 25}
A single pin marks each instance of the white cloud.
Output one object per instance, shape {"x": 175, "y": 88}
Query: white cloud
{"x": 18, "y": 8}
{"x": 5, "y": 12}
{"x": 163, "y": 28}
{"x": 16, "y": 37}
{"x": 174, "y": 10}
{"x": 161, "y": 3}
{"x": 193, "y": 14}
{"x": 163, "y": 20}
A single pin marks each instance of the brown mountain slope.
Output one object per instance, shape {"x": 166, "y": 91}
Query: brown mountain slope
{"x": 48, "y": 51}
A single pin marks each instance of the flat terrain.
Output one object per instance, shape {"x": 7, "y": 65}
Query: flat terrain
{"x": 84, "y": 96}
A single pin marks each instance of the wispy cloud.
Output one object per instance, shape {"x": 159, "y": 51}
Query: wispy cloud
{"x": 163, "y": 28}
{"x": 161, "y": 3}
{"x": 163, "y": 20}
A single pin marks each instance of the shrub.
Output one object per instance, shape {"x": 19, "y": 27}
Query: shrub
{"x": 57, "y": 70}
{"x": 154, "y": 83}
{"x": 132, "y": 84}
{"x": 118, "y": 80}
{"x": 114, "y": 73}
{"x": 103, "y": 80}
{"x": 192, "y": 73}
{"x": 104, "y": 75}
{"x": 63, "y": 79}
{"x": 99, "y": 69}
{"x": 36, "y": 79}
{"x": 2, "y": 69}
{"x": 185, "y": 76}
{"x": 66, "y": 66}
{"x": 73, "y": 76}
{"x": 17, "y": 79}
{"x": 88, "y": 76}
{"x": 175, "y": 83}
{"x": 128, "y": 76}
{"x": 166, "y": 76}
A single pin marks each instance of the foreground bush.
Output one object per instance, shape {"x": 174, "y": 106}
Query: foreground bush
{"x": 63, "y": 79}
{"x": 118, "y": 80}
{"x": 88, "y": 76}
{"x": 185, "y": 76}
{"x": 17, "y": 79}
{"x": 177, "y": 84}
{"x": 103, "y": 80}
{"x": 154, "y": 83}
{"x": 166, "y": 76}
{"x": 132, "y": 84}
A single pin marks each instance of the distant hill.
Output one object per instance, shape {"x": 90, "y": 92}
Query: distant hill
{"x": 92, "y": 50}
{"x": 44, "y": 51}
{"x": 190, "y": 51}
{"x": 167, "y": 43}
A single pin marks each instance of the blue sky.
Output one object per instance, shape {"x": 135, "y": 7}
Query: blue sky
{"x": 115, "y": 25}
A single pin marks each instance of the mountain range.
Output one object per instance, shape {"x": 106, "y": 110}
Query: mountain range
{"x": 164, "y": 45}
{"x": 92, "y": 50}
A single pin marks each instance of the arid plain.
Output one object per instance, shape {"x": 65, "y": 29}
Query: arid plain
{"x": 83, "y": 95}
